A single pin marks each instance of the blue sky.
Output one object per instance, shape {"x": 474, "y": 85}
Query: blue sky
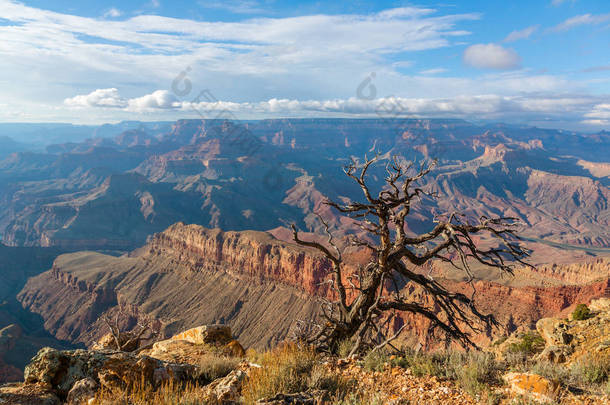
{"x": 544, "y": 63}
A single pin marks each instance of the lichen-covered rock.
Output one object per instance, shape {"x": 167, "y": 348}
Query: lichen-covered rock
{"x": 177, "y": 351}
{"x": 532, "y": 386}
{"x": 28, "y": 394}
{"x": 82, "y": 391}
{"x": 210, "y": 334}
{"x": 62, "y": 369}
{"x": 227, "y": 389}
{"x": 554, "y": 331}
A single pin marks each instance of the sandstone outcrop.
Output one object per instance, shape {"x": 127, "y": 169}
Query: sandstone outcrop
{"x": 61, "y": 370}
{"x": 532, "y": 386}
{"x": 82, "y": 391}
{"x": 206, "y": 334}
{"x": 569, "y": 340}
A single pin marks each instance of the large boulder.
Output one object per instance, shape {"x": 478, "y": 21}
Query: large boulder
{"x": 210, "y": 334}
{"x": 61, "y": 370}
{"x": 82, "y": 391}
{"x": 225, "y": 390}
{"x": 554, "y": 331}
{"x": 532, "y": 386}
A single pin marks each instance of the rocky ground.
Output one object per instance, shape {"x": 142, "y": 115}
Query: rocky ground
{"x": 565, "y": 361}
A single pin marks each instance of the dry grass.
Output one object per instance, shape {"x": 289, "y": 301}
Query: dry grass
{"x": 216, "y": 366}
{"x": 289, "y": 368}
{"x": 141, "y": 394}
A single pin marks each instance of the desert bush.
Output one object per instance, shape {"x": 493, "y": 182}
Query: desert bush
{"x": 529, "y": 344}
{"x": 213, "y": 366}
{"x": 581, "y": 312}
{"x": 289, "y": 368}
{"x": 376, "y": 361}
{"x": 553, "y": 372}
{"x": 473, "y": 371}
{"x": 345, "y": 346}
{"x": 591, "y": 370}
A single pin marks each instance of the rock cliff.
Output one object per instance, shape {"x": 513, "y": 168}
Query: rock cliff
{"x": 258, "y": 285}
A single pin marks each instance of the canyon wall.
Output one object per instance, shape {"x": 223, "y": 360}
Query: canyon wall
{"x": 260, "y": 286}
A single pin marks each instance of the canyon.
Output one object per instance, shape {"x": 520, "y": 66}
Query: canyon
{"x": 186, "y": 223}
{"x": 258, "y": 285}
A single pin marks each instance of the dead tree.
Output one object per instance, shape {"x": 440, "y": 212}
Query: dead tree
{"x": 363, "y": 304}
{"x": 129, "y": 341}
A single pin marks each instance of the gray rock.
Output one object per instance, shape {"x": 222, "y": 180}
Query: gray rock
{"x": 555, "y": 354}
{"x": 82, "y": 391}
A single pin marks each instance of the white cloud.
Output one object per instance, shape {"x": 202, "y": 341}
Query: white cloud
{"x": 488, "y": 106}
{"x": 521, "y": 34}
{"x": 599, "y": 112}
{"x": 113, "y": 13}
{"x": 108, "y": 98}
{"x": 491, "y": 56}
{"x": 433, "y": 71}
{"x": 160, "y": 99}
{"x": 584, "y": 19}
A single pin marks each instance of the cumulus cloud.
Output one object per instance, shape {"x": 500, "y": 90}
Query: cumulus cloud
{"x": 599, "y": 115}
{"x": 108, "y": 98}
{"x": 491, "y": 56}
{"x": 489, "y": 106}
{"x": 160, "y": 99}
{"x": 584, "y": 19}
{"x": 521, "y": 34}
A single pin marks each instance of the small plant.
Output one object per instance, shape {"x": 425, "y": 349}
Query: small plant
{"x": 213, "y": 366}
{"x": 529, "y": 344}
{"x": 289, "y": 368}
{"x": 499, "y": 341}
{"x": 345, "y": 346}
{"x": 375, "y": 361}
{"x": 591, "y": 370}
{"x": 581, "y": 312}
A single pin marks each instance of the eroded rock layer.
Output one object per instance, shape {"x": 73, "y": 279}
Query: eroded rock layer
{"x": 260, "y": 286}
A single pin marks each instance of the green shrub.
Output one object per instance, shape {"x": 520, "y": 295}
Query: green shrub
{"x": 530, "y": 343}
{"x": 591, "y": 370}
{"x": 473, "y": 371}
{"x": 345, "y": 346}
{"x": 375, "y": 361}
{"x": 581, "y": 312}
